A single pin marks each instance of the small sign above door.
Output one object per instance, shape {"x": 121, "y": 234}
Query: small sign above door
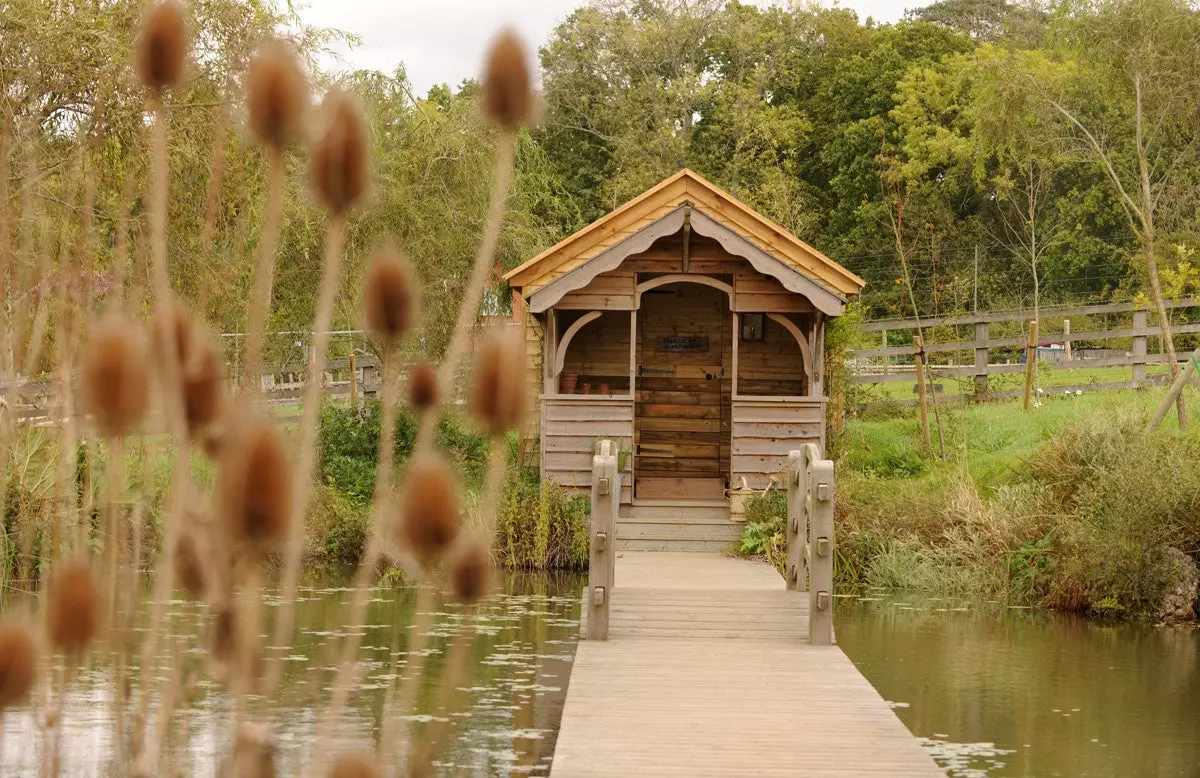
{"x": 683, "y": 343}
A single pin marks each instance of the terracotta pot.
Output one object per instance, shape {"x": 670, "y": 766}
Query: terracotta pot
{"x": 602, "y": 389}
{"x": 587, "y": 388}
{"x": 566, "y": 382}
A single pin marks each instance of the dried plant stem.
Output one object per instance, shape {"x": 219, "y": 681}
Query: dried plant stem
{"x": 172, "y": 407}
{"x": 41, "y": 319}
{"x": 457, "y": 665}
{"x": 371, "y": 555}
{"x": 212, "y": 204}
{"x": 116, "y": 296}
{"x": 264, "y": 274}
{"x": 6, "y": 281}
{"x": 330, "y": 275}
{"x": 415, "y": 655}
{"x": 473, "y": 294}
{"x": 114, "y": 484}
{"x": 69, "y": 441}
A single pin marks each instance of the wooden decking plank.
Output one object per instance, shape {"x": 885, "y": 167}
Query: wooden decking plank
{"x": 708, "y": 672}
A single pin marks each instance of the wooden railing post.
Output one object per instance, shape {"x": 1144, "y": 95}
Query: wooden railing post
{"x": 797, "y": 523}
{"x": 606, "y": 496}
{"x": 818, "y": 501}
{"x": 981, "y": 360}
{"x": 353, "y": 380}
{"x": 1139, "y": 348}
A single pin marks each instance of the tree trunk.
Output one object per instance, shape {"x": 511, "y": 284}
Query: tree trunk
{"x": 1163, "y": 323}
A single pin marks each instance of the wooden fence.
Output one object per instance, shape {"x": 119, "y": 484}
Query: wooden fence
{"x": 1058, "y": 343}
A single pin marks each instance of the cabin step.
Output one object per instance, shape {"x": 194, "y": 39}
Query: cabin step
{"x": 682, "y": 502}
{"x": 678, "y": 513}
{"x": 726, "y": 533}
{"x": 658, "y": 544}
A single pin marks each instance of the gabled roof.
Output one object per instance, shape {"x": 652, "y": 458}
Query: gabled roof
{"x": 685, "y": 187}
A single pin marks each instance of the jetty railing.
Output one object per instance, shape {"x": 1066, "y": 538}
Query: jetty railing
{"x": 810, "y": 537}
{"x": 606, "y": 498}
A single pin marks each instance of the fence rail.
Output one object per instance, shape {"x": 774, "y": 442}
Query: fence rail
{"x": 872, "y": 365}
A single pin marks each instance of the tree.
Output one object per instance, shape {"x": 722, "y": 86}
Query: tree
{"x": 1141, "y": 59}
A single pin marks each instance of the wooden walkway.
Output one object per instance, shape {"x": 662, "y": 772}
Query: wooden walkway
{"x": 707, "y": 672}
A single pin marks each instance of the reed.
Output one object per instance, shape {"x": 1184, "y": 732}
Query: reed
{"x": 136, "y": 385}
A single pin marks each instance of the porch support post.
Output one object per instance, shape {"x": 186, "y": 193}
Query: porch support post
{"x": 736, "y": 338}
{"x": 549, "y": 351}
{"x": 633, "y": 353}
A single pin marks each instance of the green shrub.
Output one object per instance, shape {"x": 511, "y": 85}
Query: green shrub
{"x": 336, "y": 527}
{"x": 764, "y": 532}
{"x": 541, "y": 526}
{"x": 349, "y": 443}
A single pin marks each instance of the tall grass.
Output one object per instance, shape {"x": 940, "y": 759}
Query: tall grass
{"x": 1071, "y": 506}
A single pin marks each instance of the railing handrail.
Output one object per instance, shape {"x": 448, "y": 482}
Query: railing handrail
{"x": 606, "y": 497}
{"x": 810, "y": 490}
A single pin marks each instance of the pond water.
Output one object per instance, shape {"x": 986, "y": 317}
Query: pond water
{"x": 991, "y": 691}
{"x": 523, "y": 642}
{"x": 994, "y": 691}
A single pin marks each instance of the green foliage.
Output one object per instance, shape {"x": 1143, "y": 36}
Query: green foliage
{"x": 349, "y": 442}
{"x": 541, "y": 526}
{"x": 765, "y": 528}
{"x": 1073, "y": 506}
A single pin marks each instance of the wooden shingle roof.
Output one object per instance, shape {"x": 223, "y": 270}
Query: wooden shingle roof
{"x": 647, "y": 208}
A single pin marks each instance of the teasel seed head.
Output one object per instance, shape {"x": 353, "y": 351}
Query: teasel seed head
{"x": 203, "y": 376}
{"x": 188, "y": 561}
{"x": 423, "y": 386}
{"x": 389, "y": 295}
{"x": 507, "y": 86}
{"x": 498, "y": 394}
{"x": 18, "y": 663}
{"x": 72, "y": 608}
{"x": 113, "y": 376}
{"x": 338, "y": 161}
{"x": 162, "y": 45}
{"x": 354, "y": 766}
{"x": 471, "y": 571}
{"x": 276, "y": 95}
{"x": 201, "y": 369}
{"x": 253, "y": 752}
{"x": 429, "y": 520}
{"x": 255, "y": 486}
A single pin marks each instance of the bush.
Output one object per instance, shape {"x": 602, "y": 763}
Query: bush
{"x": 349, "y": 443}
{"x": 764, "y": 532}
{"x": 541, "y": 526}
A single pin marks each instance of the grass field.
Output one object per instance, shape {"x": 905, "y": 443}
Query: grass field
{"x": 1069, "y": 505}
{"x": 1047, "y": 379}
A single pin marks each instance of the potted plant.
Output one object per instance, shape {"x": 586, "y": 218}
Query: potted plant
{"x": 566, "y": 382}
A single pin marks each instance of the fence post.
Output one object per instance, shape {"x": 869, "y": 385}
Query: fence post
{"x": 606, "y": 493}
{"x": 981, "y": 360}
{"x": 1031, "y": 355}
{"x": 1067, "y": 339}
{"x": 919, "y": 362}
{"x": 818, "y": 499}
{"x": 797, "y": 523}
{"x": 1139, "y": 348}
{"x": 353, "y": 381}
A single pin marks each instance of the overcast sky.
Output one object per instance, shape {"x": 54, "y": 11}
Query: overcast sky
{"x": 442, "y": 41}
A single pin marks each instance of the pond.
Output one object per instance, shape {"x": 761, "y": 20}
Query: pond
{"x": 994, "y": 691}
{"x": 523, "y": 644}
{"x": 991, "y": 691}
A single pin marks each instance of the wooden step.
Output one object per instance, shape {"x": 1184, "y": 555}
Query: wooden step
{"x": 678, "y": 514}
{"x": 728, "y": 532}
{"x": 658, "y": 544}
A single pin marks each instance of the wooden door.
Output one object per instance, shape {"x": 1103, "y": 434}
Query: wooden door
{"x": 683, "y": 392}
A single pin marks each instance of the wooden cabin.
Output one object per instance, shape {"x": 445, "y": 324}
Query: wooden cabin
{"x": 689, "y": 329}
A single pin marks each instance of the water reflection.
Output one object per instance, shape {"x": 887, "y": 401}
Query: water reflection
{"x": 524, "y": 642}
{"x": 994, "y": 691}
